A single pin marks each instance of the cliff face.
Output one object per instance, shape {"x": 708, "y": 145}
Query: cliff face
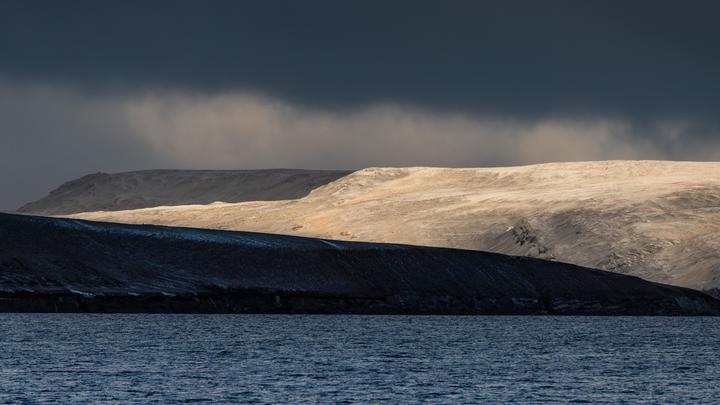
{"x": 49, "y": 264}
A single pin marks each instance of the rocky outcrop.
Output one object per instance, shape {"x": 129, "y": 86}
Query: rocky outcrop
{"x": 49, "y": 264}
{"x": 715, "y": 292}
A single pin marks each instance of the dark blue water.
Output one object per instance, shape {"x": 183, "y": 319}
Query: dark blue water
{"x": 294, "y": 359}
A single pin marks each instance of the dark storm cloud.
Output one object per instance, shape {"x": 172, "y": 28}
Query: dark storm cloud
{"x": 633, "y": 58}
{"x": 110, "y": 85}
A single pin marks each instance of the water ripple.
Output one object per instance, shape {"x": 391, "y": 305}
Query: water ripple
{"x": 80, "y": 358}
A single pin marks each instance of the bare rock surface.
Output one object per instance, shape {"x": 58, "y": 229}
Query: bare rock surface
{"x": 659, "y": 220}
{"x": 51, "y": 264}
{"x": 152, "y": 188}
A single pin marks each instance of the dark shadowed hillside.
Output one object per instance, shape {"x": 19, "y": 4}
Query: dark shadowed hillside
{"x": 153, "y": 188}
{"x": 49, "y": 264}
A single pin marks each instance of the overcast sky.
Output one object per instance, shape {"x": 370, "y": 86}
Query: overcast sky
{"x": 88, "y": 86}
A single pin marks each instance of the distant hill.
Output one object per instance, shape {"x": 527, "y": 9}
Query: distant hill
{"x": 659, "y": 220}
{"x": 51, "y": 264}
{"x": 153, "y": 188}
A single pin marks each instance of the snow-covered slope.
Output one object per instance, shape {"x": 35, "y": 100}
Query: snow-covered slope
{"x": 51, "y": 264}
{"x": 658, "y": 220}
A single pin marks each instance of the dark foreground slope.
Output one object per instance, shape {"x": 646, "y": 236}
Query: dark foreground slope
{"x": 78, "y": 266}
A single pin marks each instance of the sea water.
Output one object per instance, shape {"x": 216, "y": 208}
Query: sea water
{"x": 86, "y": 358}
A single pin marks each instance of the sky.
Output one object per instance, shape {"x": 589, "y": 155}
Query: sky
{"x": 89, "y": 86}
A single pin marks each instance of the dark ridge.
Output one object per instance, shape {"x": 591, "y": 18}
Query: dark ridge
{"x": 153, "y": 188}
{"x": 65, "y": 265}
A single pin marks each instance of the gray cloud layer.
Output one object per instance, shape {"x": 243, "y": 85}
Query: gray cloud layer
{"x": 53, "y": 133}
